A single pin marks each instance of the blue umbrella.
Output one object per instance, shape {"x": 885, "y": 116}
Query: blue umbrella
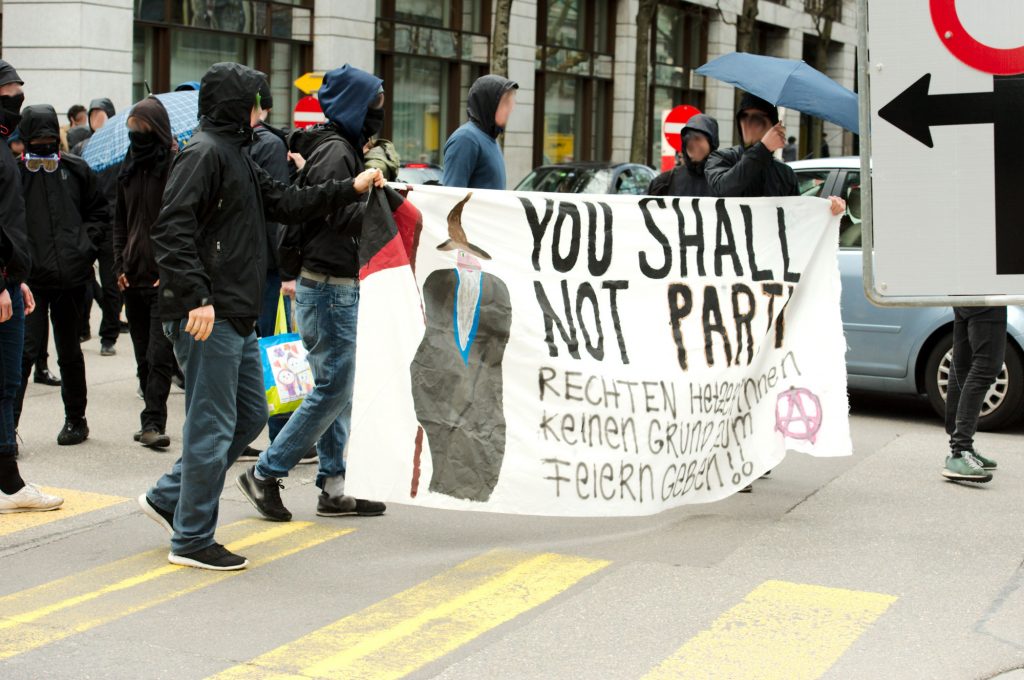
{"x": 110, "y": 143}
{"x": 787, "y": 82}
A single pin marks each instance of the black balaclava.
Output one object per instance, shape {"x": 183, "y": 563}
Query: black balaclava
{"x": 40, "y": 121}
{"x": 373, "y": 122}
{"x": 10, "y": 104}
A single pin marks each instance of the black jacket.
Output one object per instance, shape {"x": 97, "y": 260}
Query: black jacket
{"x": 325, "y": 245}
{"x": 15, "y": 261}
{"x": 139, "y": 197}
{"x": 749, "y": 172}
{"x": 688, "y": 179}
{"x": 270, "y": 152}
{"x": 65, "y": 211}
{"x": 210, "y": 237}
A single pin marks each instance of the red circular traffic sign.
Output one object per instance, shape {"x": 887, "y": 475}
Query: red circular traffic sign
{"x": 308, "y": 113}
{"x": 966, "y": 48}
{"x": 675, "y": 122}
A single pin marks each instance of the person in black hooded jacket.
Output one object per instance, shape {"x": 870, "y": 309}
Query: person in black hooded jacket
{"x": 140, "y": 191}
{"x": 700, "y": 138}
{"x": 65, "y": 213}
{"x": 15, "y": 302}
{"x": 210, "y": 246}
{"x": 323, "y": 256}
{"x": 472, "y": 156}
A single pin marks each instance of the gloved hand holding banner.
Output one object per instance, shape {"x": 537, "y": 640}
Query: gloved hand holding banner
{"x": 578, "y": 355}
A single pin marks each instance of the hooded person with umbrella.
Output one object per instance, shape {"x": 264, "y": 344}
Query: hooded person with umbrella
{"x": 700, "y": 139}
{"x": 140, "y": 190}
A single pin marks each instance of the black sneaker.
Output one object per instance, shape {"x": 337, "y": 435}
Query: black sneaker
{"x": 215, "y": 557}
{"x": 310, "y": 457}
{"x": 137, "y": 436}
{"x": 335, "y": 506}
{"x": 74, "y": 432}
{"x": 749, "y": 488}
{"x": 366, "y": 508}
{"x": 250, "y": 455}
{"x": 161, "y": 517}
{"x": 107, "y": 349}
{"x": 45, "y": 377}
{"x": 265, "y": 496}
{"x": 178, "y": 381}
{"x": 154, "y": 439}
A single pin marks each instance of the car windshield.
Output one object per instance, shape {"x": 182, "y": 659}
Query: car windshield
{"x": 419, "y": 175}
{"x": 567, "y": 180}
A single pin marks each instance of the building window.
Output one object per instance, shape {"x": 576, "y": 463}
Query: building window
{"x": 429, "y": 52}
{"x": 679, "y": 46}
{"x": 176, "y": 42}
{"x": 574, "y": 81}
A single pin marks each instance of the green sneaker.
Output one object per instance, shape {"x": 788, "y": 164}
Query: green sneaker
{"x": 986, "y": 463}
{"x": 965, "y": 468}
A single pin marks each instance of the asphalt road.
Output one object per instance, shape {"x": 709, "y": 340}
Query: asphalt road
{"x": 863, "y": 567}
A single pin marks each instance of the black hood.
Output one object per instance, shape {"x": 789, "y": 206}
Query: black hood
{"x": 705, "y": 125}
{"x": 752, "y": 101}
{"x": 8, "y": 74}
{"x": 104, "y": 105}
{"x": 77, "y": 135}
{"x": 484, "y": 97}
{"x": 38, "y": 121}
{"x": 227, "y": 95}
{"x": 304, "y": 141}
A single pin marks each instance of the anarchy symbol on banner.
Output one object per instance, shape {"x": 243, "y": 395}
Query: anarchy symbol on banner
{"x": 798, "y": 414}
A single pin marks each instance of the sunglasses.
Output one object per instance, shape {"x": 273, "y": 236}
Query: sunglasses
{"x": 46, "y": 163}
{"x": 754, "y": 117}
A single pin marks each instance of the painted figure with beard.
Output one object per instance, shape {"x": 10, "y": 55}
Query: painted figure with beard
{"x": 457, "y": 371}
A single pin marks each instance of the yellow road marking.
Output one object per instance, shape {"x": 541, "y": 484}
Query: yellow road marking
{"x": 53, "y": 611}
{"x": 788, "y": 631}
{"x": 75, "y": 503}
{"x": 407, "y": 631}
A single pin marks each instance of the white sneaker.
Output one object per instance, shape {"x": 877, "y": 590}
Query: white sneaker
{"x": 29, "y": 499}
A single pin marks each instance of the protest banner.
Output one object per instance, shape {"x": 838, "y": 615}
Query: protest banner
{"x": 575, "y": 355}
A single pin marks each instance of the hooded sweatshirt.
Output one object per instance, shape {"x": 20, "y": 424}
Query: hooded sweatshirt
{"x": 332, "y": 151}
{"x": 472, "y": 156}
{"x": 14, "y": 256}
{"x": 751, "y": 170}
{"x": 78, "y": 136}
{"x": 140, "y": 190}
{"x": 64, "y": 210}
{"x": 210, "y": 236}
{"x": 688, "y": 179}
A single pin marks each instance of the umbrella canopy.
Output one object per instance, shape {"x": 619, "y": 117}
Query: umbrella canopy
{"x": 787, "y": 82}
{"x": 110, "y": 143}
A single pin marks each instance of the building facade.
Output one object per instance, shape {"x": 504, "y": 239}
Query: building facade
{"x": 575, "y": 60}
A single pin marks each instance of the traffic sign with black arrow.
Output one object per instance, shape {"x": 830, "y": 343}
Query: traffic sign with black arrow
{"x": 914, "y": 111}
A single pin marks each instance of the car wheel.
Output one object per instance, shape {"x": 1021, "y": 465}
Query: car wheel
{"x": 1002, "y": 405}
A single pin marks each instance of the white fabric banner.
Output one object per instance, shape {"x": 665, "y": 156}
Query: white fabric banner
{"x": 575, "y": 355}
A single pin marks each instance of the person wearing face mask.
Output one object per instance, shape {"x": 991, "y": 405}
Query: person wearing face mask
{"x": 140, "y": 190}
{"x": 700, "y": 138}
{"x": 210, "y": 244}
{"x": 65, "y": 214}
{"x": 16, "y": 301}
{"x": 322, "y": 256}
{"x": 472, "y": 156}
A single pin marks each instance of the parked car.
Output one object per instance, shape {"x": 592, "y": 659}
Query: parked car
{"x": 420, "y": 173}
{"x": 589, "y": 178}
{"x": 903, "y": 349}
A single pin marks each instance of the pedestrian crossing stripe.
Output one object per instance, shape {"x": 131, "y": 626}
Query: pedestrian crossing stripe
{"x": 39, "y": 616}
{"x": 75, "y": 503}
{"x": 789, "y": 631}
{"x": 424, "y": 623}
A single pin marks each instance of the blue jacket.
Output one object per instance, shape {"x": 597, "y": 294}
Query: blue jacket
{"x": 473, "y": 159}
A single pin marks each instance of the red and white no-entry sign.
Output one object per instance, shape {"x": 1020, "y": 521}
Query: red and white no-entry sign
{"x": 308, "y": 113}
{"x": 675, "y": 122}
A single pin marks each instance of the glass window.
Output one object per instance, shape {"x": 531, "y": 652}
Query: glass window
{"x": 562, "y": 99}
{"x": 679, "y": 47}
{"x": 850, "y": 224}
{"x": 419, "y": 108}
{"x": 566, "y": 25}
{"x": 192, "y": 53}
{"x": 426, "y": 12}
{"x": 812, "y": 182}
{"x": 631, "y": 182}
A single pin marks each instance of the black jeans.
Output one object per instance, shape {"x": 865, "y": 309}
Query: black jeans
{"x": 979, "y": 343}
{"x": 64, "y": 307}
{"x": 154, "y": 354}
{"x": 107, "y": 294}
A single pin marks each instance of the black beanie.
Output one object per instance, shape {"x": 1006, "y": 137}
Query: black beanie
{"x": 752, "y": 101}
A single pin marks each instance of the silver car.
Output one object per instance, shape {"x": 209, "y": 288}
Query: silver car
{"x": 903, "y": 350}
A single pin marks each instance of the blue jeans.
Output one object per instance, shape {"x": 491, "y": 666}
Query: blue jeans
{"x": 225, "y": 410}
{"x": 326, "y": 315}
{"x": 265, "y": 327}
{"x": 12, "y": 339}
